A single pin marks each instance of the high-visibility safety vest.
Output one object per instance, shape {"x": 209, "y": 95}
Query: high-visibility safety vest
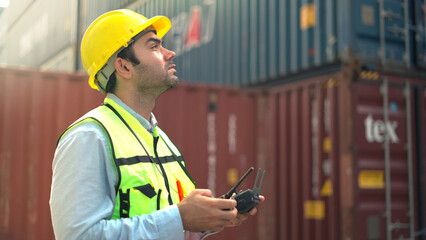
{"x": 151, "y": 170}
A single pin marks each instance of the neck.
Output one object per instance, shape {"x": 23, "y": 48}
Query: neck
{"x": 142, "y": 104}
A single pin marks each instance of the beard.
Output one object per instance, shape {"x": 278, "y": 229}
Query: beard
{"x": 154, "y": 79}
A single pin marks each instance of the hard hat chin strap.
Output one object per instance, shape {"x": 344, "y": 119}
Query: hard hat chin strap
{"x": 102, "y": 77}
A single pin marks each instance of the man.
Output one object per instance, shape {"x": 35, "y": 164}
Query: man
{"x": 116, "y": 175}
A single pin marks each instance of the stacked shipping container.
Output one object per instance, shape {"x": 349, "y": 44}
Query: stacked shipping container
{"x": 234, "y": 42}
{"x": 35, "y": 107}
{"x": 348, "y": 158}
{"x": 249, "y": 42}
{"x": 340, "y": 161}
{"x": 212, "y": 126}
{"x": 344, "y": 148}
{"x": 39, "y": 34}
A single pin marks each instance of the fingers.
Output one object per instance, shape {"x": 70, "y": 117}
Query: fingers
{"x": 242, "y": 217}
{"x": 202, "y": 192}
{"x": 234, "y": 223}
{"x": 201, "y": 212}
{"x": 253, "y": 211}
{"x": 227, "y": 216}
{"x": 238, "y": 220}
{"x": 223, "y": 203}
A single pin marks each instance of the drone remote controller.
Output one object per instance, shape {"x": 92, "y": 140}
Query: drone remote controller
{"x": 248, "y": 199}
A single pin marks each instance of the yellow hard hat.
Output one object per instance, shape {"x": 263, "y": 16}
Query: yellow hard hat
{"x": 109, "y": 33}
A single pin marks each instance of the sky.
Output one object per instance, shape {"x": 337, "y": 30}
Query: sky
{"x": 4, "y": 3}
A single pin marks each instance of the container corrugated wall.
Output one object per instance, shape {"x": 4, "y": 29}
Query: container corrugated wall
{"x": 303, "y": 140}
{"x": 36, "y": 32}
{"x": 321, "y": 141}
{"x": 35, "y": 108}
{"x": 212, "y": 126}
{"x": 420, "y": 96}
{"x": 234, "y": 42}
{"x": 248, "y": 42}
{"x": 242, "y": 42}
{"x": 373, "y": 150}
{"x": 327, "y": 137}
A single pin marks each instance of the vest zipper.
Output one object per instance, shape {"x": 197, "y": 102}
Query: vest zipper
{"x": 166, "y": 180}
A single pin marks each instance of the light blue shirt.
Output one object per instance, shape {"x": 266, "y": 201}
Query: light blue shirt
{"x": 82, "y": 196}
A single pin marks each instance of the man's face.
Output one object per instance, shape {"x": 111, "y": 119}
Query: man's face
{"x": 156, "y": 70}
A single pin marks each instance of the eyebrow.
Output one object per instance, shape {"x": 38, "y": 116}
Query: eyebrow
{"x": 153, "y": 39}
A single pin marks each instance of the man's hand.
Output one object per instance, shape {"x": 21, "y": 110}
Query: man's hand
{"x": 242, "y": 217}
{"x": 201, "y": 212}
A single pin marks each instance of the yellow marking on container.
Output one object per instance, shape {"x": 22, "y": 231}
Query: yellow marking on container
{"x": 327, "y": 188}
{"x": 371, "y": 179}
{"x": 307, "y": 16}
{"x": 369, "y": 75}
{"x": 330, "y": 83}
{"x": 314, "y": 209}
{"x": 326, "y": 145}
{"x": 232, "y": 176}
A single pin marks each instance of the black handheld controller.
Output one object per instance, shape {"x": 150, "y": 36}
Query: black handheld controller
{"x": 248, "y": 199}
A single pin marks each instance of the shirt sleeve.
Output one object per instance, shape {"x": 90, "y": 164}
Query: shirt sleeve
{"x": 83, "y": 195}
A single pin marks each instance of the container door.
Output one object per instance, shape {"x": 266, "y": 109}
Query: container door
{"x": 384, "y": 161}
{"x": 392, "y": 32}
{"x": 306, "y": 145}
{"x": 419, "y": 32}
{"x": 420, "y": 153}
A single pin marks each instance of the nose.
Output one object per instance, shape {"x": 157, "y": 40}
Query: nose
{"x": 168, "y": 54}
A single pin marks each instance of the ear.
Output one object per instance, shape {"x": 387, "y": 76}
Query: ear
{"x": 123, "y": 67}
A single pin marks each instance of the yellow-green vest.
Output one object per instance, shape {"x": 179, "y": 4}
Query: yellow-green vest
{"x": 151, "y": 170}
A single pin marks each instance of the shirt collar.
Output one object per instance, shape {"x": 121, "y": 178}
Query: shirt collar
{"x": 148, "y": 125}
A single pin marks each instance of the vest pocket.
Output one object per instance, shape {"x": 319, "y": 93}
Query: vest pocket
{"x": 147, "y": 189}
{"x": 142, "y": 199}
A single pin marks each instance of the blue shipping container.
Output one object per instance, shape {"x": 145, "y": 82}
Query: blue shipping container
{"x": 249, "y": 42}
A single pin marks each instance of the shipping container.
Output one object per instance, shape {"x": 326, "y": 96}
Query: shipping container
{"x": 52, "y": 42}
{"x": 344, "y": 152}
{"x": 233, "y": 42}
{"x": 35, "y": 32}
{"x": 249, "y": 42}
{"x": 346, "y": 156}
{"x": 35, "y": 108}
{"x": 212, "y": 126}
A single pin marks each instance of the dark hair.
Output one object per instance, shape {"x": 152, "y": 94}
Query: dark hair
{"x": 128, "y": 54}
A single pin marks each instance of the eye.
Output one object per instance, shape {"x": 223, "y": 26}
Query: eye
{"x": 155, "y": 46}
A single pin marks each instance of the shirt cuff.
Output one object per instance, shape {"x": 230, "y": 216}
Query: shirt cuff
{"x": 169, "y": 223}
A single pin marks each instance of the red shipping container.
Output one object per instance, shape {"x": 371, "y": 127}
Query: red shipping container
{"x": 346, "y": 165}
{"x": 35, "y": 108}
{"x": 212, "y": 126}
{"x": 322, "y": 141}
